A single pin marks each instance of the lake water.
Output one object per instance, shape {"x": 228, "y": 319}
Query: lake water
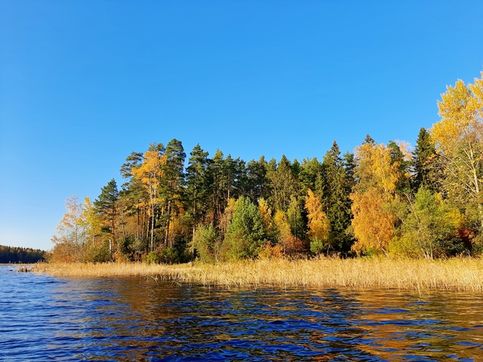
{"x": 43, "y": 318}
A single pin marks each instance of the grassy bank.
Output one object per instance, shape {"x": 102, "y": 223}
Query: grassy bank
{"x": 452, "y": 274}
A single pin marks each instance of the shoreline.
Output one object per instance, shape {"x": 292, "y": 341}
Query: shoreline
{"x": 455, "y": 274}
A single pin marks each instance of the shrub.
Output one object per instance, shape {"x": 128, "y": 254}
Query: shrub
{"x": 429, "y": 229}
{"x": 317, "y": 246}
{"x": 169, "y": 255}
{"x": 245, "y": 233}
{"x": 153, "y": 257}
{"x": 205, "y": 243}
{"x": 289, "y": 244}
{"x": 269, "y": 251}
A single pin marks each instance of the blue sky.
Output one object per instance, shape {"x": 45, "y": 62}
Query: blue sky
{"x": 84, "y": 83}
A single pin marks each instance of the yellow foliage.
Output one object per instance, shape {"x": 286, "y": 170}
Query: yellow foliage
{"x": 458, "y": 137}
{"x": 265, "y": 213}
{"x": 288, "y": 242}
{"x": 461, "y": 109}
{"x": 178, "y": 226}
{"x": 269, "y": 251}
{"x": 150, "y": 173}
{"x": 318, "y": 222}
{"x": 283, "y": 226}
{"x": 228, "y": 214}
{"x": 374, "y": 168}
{"x": 373, "y": 221}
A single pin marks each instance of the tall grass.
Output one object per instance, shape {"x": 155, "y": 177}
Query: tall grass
{"x": 464, "y": 274}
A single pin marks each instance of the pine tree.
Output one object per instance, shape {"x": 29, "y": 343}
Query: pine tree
{"x": 197, "y": 184}
{"x": 283, "y": 184}
{"x": 106, "y": 206}
{"x": 218, "y": 192}
{"x": 256, "y": 183}
{"x": 173, "y": 182}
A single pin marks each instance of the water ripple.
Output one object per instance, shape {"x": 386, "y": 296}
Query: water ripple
{"x": 141, "y": 319}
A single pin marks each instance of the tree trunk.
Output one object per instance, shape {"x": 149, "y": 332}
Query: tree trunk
{"x": 168, "y": 219}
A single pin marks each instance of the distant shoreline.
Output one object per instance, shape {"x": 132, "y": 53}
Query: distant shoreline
{"x": 455, "y": 274}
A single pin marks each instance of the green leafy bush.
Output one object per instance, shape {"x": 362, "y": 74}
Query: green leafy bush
{"x": 153, "y": 257}
{"x": 205, "y": 243}
{"x": 246, "y": 233}
{"x": 430, "y": 228}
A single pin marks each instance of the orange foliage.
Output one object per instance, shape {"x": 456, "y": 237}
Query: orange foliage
{"x": 373, "y": 221}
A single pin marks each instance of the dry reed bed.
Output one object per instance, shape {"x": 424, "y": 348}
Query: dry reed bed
{"x": 465, "y": 274}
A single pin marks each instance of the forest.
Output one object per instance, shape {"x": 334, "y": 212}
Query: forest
{"x": 383, "y": 199}
{"x": 13, "y": 254}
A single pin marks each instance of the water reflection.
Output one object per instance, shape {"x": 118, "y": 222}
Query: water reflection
{"x": 143, "y": 319}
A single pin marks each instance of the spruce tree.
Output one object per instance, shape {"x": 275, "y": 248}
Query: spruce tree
{"x": 336, "y": 199}
{"x": 397, "y": 157}
{"x": 425, "y": 166}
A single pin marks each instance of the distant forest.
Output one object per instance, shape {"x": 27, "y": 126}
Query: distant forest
{"x": 386, "y": 199}
{"x": 13, "y": 254}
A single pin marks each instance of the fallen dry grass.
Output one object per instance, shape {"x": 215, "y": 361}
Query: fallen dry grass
{"x": 464, "y": 274}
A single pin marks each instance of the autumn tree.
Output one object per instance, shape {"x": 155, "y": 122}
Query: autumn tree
{"x": 149, "y": 173}
{"x": 318, "y": 223}
{"x": 95, "y": 247}
{"x": 429, "y": 229}
{"x": 267, "y": 218}
{"x": 227, "y": 215}
{"x": 289, "y": 244}
{"x": 71, "y": 234}
{"x": 458, "y": 139}
{"x": 373, "y": 197}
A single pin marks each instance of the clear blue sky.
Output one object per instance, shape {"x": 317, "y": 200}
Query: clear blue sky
{"x": 84, "y": 83}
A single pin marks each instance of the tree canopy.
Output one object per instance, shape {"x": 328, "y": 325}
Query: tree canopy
{"x": 424, "y": 201}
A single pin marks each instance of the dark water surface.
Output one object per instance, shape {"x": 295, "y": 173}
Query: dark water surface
{"x": 44, "y": 318}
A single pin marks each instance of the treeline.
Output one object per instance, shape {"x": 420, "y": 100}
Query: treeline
{"x": 383, "y": 199}
{"x": 13, "y": 254}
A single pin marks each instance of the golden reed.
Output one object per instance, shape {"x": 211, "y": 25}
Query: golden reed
{"x": 465, "y": 274}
